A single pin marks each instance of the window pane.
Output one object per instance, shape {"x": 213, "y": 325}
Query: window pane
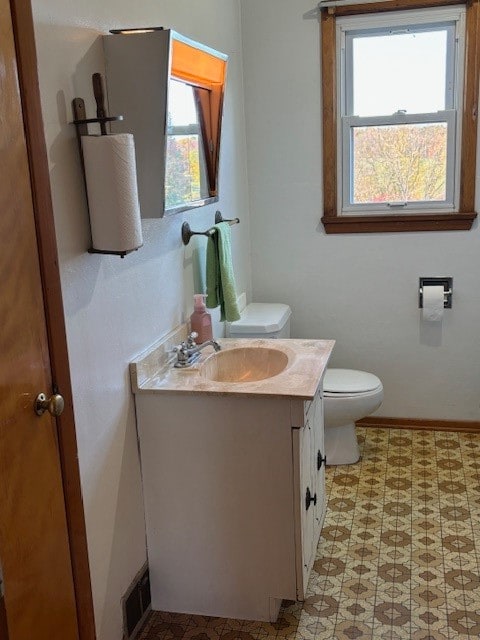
{"x": 400, "y": 71}
{"x": 399, "y": 163}
{"x": 182, "y": 174}
{"x": 181, "y": 105}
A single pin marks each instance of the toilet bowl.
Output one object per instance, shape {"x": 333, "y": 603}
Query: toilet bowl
{"x": 349, "y": 395}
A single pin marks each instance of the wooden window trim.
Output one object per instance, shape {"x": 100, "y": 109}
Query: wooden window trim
{"x": 463, "y": 220}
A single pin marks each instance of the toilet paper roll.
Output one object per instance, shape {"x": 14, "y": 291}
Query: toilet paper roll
{"x": 432, "y": 303}
{"x": 111, "y": 178}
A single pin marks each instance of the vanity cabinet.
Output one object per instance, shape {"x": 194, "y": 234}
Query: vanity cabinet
{"x": 234, "y": 492}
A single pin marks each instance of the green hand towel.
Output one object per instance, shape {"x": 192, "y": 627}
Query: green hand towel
{"x": 220, "y": 278}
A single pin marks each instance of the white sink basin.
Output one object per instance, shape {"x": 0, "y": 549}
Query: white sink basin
{"x": 244, "y": 364}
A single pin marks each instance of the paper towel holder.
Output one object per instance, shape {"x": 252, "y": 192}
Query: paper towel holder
{"x": 446, "y": 283}
{"x": 81, "y": 123}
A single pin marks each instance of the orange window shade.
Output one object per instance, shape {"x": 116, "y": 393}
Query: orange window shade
{"x": 209, "y": 70}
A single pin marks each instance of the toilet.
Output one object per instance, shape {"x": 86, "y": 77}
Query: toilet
{"x": 349, "y": 395}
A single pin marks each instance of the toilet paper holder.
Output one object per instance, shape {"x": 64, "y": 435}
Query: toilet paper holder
{"x": 446, "y": 283}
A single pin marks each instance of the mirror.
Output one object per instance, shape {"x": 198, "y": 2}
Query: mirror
{"x": 170, "y": 91}
{"x": 185, "y": 164}
{"x": 194, "y": 116}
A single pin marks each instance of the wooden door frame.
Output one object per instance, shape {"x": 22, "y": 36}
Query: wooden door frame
{"x": 24, "y": 36}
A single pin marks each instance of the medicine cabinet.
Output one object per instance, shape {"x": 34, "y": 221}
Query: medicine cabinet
{"x": 170, "y": 90}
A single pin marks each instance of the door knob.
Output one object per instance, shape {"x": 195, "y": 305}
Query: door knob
{"x": 54, "y": 405}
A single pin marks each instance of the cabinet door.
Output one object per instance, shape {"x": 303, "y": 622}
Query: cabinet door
{"x": 307, "y": 499}
{"x": 318, "y": 462}
{"x": 309, "y": 469}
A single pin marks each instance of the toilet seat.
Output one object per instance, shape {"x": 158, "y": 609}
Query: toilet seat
{"x": 349, "y": 382}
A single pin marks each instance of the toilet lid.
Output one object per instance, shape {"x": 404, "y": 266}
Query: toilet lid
{"x": 261, "y": 317}
{"x": 349, "y": 381}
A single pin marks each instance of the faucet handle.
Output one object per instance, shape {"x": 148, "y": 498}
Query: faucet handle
{"x": 181, "y": 350}
{"x": 191, "y": 339}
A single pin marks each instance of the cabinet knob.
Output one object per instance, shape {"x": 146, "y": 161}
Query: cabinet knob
{"x": 309, "y": 499}
{"x": 320, "y": 460}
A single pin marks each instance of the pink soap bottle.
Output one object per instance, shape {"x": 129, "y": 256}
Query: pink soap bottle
{"x": 201, "y": 320}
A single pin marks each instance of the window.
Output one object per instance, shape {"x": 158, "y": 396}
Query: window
{"x": 400, "y": 89}
{"x": 396, "y": 122}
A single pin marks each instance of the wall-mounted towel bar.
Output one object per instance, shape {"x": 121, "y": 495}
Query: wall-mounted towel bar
{"x": 187, "y": 233}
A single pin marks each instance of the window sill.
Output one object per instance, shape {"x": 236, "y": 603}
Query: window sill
{"x": 399, "y": 223}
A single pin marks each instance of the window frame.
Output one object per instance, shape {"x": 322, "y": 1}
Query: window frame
{"x": 366, "y": 218}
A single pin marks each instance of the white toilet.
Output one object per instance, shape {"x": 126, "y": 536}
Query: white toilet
{"x": 348, "y": 395}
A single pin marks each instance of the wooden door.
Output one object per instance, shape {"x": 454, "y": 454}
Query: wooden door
{"x": 34, "y": 547}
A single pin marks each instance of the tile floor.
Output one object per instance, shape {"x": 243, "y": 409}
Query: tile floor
{"x": 399, "y": 553}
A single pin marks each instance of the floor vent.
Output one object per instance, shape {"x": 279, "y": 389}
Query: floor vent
{"x": 136, "y": 604}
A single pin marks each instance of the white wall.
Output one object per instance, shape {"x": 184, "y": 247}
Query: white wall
{"x": 116, "y": 308}
{"x": 361, "y": 290}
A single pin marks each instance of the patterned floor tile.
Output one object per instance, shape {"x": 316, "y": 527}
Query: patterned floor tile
{"x": 399, "y": 554}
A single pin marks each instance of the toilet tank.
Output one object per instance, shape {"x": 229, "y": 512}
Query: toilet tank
{"x": 261, "y": 320}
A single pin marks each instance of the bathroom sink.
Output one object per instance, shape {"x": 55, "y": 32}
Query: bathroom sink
{"x": 244, "y": 364}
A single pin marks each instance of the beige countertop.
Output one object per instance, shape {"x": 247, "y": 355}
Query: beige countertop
{"x": 307, "y": 362}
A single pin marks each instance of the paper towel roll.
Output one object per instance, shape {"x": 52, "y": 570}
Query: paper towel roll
{"x": 432, "y": 303}
{"x": 111, "y": 177}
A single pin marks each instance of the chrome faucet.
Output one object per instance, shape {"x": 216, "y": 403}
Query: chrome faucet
{"x": 188, "y": 352}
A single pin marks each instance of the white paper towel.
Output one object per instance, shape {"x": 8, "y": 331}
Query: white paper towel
{"x": 432, "y": 303}
{"x": 111, "y": 177}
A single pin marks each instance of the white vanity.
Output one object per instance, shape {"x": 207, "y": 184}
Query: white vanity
{"x": 233, "y": 477}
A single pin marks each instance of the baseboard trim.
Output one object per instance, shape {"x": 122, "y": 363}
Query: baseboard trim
{"x": 465, "y": 426}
